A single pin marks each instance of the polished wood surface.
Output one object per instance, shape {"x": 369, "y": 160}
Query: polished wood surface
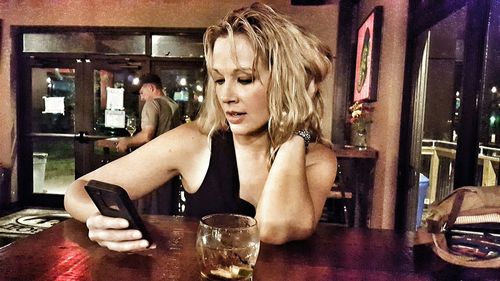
{"x": 64, "y": 252}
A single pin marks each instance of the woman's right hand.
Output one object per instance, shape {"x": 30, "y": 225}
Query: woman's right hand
{"x": 113, "y": 234}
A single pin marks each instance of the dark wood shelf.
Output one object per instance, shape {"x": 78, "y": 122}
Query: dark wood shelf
{"x": 346, "y": 151}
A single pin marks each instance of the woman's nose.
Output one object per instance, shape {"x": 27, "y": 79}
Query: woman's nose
{"x": 227, "y": 93}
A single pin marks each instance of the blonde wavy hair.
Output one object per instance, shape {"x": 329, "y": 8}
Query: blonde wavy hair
{"x": 294, "y": 58}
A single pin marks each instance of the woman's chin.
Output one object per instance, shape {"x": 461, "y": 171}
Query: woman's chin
{"x": 247, "y": 131}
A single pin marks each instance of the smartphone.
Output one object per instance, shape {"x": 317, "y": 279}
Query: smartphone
{"x": 113, "y": 201}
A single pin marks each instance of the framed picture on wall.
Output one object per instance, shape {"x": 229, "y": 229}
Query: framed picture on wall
{"x": 367, "y": 56}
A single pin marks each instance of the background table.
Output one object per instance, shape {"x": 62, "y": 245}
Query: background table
{"x": 355, "y": 174}
{"x": 64, "y": 252}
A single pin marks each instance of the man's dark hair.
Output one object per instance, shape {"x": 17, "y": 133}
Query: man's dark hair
{"x": 150, "y": 78}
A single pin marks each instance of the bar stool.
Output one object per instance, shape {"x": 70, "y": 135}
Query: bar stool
{"x": 344, "y": 198}
{"x": 339, "y": 194}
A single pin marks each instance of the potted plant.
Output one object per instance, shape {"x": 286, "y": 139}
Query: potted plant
{"x": 360, "y": 123}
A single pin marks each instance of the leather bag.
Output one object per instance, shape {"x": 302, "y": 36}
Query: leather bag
{"x": 466, "y": 206}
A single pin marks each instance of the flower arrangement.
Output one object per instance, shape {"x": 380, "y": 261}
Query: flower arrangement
{"x": 360, "y": 116}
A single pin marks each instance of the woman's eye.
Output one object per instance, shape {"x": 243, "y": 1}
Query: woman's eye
{"x": 219, "y": 81}
{"x": 245, "y": 81}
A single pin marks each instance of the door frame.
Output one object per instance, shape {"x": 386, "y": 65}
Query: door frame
{"x": 24, "y": 129}
{"x": 100, "y": 62}
{"x": 421, "y": 18}
{"x": 84, "y": 117}
{"x": 20, "y": 68}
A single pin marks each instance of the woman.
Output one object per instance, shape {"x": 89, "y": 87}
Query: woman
{"x": 262, "y": 109}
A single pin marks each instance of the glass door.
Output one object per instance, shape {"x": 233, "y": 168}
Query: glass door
{"x": 438, "y": 92}
{"x": 438, "y": 98}
{"x": 183, "y": 82}
{"x": 115, "y": 99}
{"x": 48, "y": 122}
{"x": 489, "y": 130}
{"x": 442, "y": 142}
{"x": 70, "y": 105}
{"x": 52, "y": 120}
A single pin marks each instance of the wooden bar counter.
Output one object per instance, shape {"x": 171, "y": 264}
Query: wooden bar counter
{"x": 64, "y": 252}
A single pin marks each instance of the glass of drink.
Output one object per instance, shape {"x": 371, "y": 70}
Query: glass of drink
{"x": 227, "y": 246}
{"x": 131, "y": 125}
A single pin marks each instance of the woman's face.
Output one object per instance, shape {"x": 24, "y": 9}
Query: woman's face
{"x": 242, "y": 96}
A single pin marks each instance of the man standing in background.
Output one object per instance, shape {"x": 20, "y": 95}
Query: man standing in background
{"x": 159, "y": 114}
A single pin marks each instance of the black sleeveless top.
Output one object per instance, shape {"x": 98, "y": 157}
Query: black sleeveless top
{"x": 220, "y": 190}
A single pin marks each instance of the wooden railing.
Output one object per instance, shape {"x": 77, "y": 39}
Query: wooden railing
{"x": 441, "y": 167}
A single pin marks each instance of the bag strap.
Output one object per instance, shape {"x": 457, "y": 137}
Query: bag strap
{"x": 455, "y": 209}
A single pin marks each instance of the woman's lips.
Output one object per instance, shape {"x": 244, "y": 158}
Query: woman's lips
{"x": 234, "y": 117}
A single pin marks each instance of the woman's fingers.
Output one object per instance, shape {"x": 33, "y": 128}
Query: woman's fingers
{"x": 102, "y": 222}
{"x": 112, "y": 233}
{"x": 126, "y": 246}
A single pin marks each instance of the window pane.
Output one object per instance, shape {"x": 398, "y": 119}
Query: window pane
{"x": 106, "y": 80}
{"x": 184, "y": 84}
{"x": 53, "y": 165}
{"x": 439, "y": 83}
{"x": 59, "y": 43}
{"x": 177, "y": 46}
{"x": 84, "y": 42}
{"x": 489, "y": 134}
{"x": 121, "y": 44}
{"x": 53, "y": 100}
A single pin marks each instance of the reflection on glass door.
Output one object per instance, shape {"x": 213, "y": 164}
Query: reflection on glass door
{"x": 73, "y": 104}
{"x": 53, "y": 115}
{"x": 183, "y": 82}
{"x": 116, "y": 104}
{"x": 489, "y": 131}
{"x": 437, "y": 91}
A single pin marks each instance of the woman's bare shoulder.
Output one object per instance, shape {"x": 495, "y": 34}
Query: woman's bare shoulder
{"x": 188, "y": 147}
{"x": 321, "y": 161}
{"x": 321, "y": 154}
{"x": 185, "y": 135}
{"x": 178, "y": 145}
{"x": 321, "y": 166}
{"x": 190, "y": 128}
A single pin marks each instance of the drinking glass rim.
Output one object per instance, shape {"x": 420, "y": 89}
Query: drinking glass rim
{"x": 253, "y": 221}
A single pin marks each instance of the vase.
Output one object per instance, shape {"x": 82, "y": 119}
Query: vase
{"x": 359, "y": 138}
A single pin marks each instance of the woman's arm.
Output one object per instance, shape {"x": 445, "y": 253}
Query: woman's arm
{"x": 138, "y": 173}
{"x": 294, "y": 194}
{"x": 141, "y": 171}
